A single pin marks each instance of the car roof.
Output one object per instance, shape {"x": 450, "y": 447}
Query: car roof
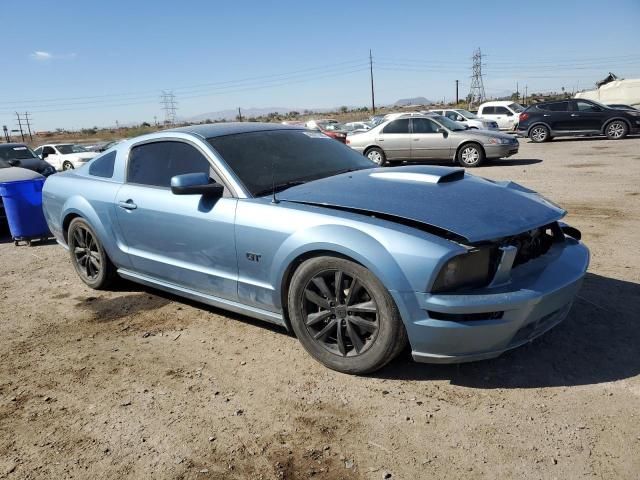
{"x": 231, "y": 128}
{"x": 497, "y": 103}
{"x": 12, "y": 145}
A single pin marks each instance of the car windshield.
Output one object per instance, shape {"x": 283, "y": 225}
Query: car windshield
{"x": 466, "y": 114}
{"x": 15, "y": 152}
{"x": 66, "y": 149}
{"x": 332, "y": 126}
{"x": 283, "y": 158}
{"x": 516, "y": 107}
{"x": 450, "y": 124}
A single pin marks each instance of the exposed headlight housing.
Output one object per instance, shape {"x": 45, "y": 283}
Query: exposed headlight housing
{"x": 469, "y": 270}
{"x": 631, "y": 112}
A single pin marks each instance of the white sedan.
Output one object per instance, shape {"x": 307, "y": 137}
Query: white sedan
{"x": 65, "y": 156}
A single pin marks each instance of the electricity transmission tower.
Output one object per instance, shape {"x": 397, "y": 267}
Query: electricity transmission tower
{"x": 169, "y": 105}
{"x": 476, "y": 94}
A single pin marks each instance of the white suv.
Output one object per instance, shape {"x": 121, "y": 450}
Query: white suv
{"x": 505, "y": 113}
{"x": 469, "y": 119}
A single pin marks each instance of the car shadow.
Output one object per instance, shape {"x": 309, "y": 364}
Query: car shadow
{"x": 509, "y": 162}
{"x": 597, "y": 343}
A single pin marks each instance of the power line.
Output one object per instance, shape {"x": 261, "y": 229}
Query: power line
{"x": 373, "y": 98}
{"x": 476, "y": 93}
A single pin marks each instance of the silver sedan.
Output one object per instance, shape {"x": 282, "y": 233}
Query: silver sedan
{"x": 433, "y": 137}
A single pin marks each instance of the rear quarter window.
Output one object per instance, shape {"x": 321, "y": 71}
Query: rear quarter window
{"x": 487, "y": 111}
{"x": 103, "y": 165}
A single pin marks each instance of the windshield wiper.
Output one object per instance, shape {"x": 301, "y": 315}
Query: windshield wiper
{"x": 278, "y": 187}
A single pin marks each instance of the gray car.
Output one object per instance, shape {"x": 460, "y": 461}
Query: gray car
{"x": 433, "y": 137}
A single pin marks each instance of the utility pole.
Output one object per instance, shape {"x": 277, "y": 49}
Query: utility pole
{"x": 373, "y": 100}
{"x": 168, "y": 102}
{"x": 525, "y": 94}
{"x": 457, "y": 99}
{"x": 517, "y": 92}
{"x": 20, "y": 126}
{"x": 26, "y": 117}
{"x": 476, "y": 93}
{"x": 7, "y": 137}
{"x": 239, "y": 115}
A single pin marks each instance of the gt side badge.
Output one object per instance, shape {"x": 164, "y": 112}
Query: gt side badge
{"x": 253, "y": 257}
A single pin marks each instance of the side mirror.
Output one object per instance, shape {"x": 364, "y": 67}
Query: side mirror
{"x": 459, "y": 118}
{"x": 196, "y": 184}
{"x": 509, "y": 114}
{"x": 44, "y": 155}
{"x": 14, "y": 163}
{"x": 444, "y": 133}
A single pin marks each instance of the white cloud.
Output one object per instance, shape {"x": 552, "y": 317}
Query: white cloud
{"x": 40, "y": 55}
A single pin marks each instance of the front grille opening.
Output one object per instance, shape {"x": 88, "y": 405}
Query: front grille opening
{"x": 534, "y": 243}
{"x": 465, "y": 317}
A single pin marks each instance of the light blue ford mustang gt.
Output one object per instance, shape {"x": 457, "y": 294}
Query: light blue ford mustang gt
{"x": 289, "y": 226}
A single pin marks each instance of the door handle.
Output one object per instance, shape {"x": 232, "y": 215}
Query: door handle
{"x": 379, "y": 139}
{"x": 128, "y": 205}
{"x": 416, "y": 139}
{"x": 547, "y": 115}
{"x": 575, "y": 115}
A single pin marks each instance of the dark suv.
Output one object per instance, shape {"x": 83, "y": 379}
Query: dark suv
{"x": 543, "y": 121}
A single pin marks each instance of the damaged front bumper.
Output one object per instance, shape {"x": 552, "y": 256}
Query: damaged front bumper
{"x": 456, "y": 328}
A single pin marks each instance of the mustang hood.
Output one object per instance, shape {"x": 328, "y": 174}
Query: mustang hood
{"x": 444, "y": 198}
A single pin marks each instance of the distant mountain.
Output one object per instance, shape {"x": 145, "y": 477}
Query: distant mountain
{"x": 413, "y": 101}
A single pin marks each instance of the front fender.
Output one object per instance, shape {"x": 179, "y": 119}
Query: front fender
{"x": 342, "y": 240}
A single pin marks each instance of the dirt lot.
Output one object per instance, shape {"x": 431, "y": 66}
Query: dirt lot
{"x": 135, "y": 383}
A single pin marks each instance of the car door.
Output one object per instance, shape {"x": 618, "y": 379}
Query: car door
{"x": 395, "y": 139}
{"x": 51, "y": 155}
{"x": 557, "y": 116}
{"x": 506, "y": 118}
{"x": 587, "y": 115}
{"x": 185, "y": 240}
{"x": 456, "y": 117}
{"x": 426, "y": 142}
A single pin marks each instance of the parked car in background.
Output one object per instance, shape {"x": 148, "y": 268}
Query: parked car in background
{"x": 358, "y": 261}
{"x": 19, "y": 155}
{"x": 467, "y": 118}
{"x": 100, "y": 147}
{"x": 65, "y": 156}
{"x": 432, "y": 137}
{"x": 621, "y": 106}
{"x": 356, "y": 127}
{"x": 313, "y": 124}
{"x": 331, "y": 128}
{"x": 544, "y": 121}
{"x": 504, "y": 113}
{"x": 376, "y": 120}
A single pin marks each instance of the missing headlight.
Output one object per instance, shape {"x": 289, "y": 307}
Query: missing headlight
{"x": 473, "y": 269}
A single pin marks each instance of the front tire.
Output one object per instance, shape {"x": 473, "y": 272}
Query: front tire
{"x": 539, "y": 134}
{"x": 88, "y": 256}
{"x": 377, "y": 156}
{"x": 616, "y": 130}
{"x": 470, "y": 155}
{"x": 343, "y": 316}
{"x": 67, "y": 165}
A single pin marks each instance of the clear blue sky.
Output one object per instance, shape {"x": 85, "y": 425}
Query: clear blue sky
{"x": 83, "y": 63}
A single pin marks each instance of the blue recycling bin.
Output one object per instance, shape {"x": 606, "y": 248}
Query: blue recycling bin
{"x": 22, "y": 201}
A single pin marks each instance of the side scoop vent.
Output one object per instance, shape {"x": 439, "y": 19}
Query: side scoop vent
{"x": 452, "y": 175}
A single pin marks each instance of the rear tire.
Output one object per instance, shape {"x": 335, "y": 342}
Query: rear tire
{"x": 67, "y": 165}
{"x": 88, "y": 257}
{"x": 616, "y": 130}
{"x": 377, "y": 156}
{"x": 344, "y": 316}
{"x": 470, "y": 155}
{"x": 539, "y": 134}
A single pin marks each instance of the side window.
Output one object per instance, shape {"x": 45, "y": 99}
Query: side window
{"x": 488, "y": 111}
{"x": 155, "y": 163}
{"x": 437, "y": 112}
{"x": 103, "y": 165}
{"x": 424, "y": 125}
{"x": 452, "y": 115}
{"x": 397, "y": 126}
{"x": 503, "y": 111}
{"x": 558, "y": 107}
{"x": 587, "y": 107}
{"x": 38, "y": 151}
{"x": 49, "y": 150}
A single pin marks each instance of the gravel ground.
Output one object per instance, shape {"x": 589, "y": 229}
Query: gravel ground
{"x": 139, "y": 384}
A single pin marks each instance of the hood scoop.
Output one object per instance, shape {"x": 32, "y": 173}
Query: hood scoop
{"x": 449, "y": 175}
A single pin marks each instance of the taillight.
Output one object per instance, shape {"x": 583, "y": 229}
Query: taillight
{"x": 523, "y": 117}
{"x": 347, "y": 141}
